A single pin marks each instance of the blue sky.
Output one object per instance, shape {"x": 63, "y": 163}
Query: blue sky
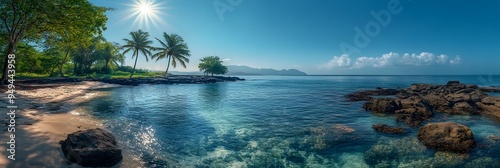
{"x": 328, "y": 36}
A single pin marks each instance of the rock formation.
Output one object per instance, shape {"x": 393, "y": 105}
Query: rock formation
{"x": 92, "y": 148}
{"x": 418, "y": 102}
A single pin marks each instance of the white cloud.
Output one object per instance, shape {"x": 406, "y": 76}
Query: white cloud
{"x": 457, "y": 60}
{"x": 337, "y": 62}
{"x": 391, "y": 59}
{"x": 226, "y": 59}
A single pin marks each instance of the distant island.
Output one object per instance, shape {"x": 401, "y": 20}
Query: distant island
{"x": 246, "y": 70}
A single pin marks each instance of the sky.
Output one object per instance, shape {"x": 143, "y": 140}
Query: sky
{"x": 324, "y": 37}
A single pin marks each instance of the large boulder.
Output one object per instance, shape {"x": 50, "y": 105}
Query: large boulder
{"x": 447, "y": 136}
{"x": 92, "y": 148}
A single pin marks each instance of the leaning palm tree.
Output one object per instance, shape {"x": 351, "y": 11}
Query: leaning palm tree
{"x": 174, "y": 49}
{"x": 138, "y": 43}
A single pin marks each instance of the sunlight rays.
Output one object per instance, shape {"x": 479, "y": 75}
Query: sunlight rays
{"x": 146, "y": 13}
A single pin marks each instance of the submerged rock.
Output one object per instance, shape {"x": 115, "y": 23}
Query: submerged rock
{"x": 483, "y": 162}
{"x": 493, "y": 137}
{"x": 389, "y": 152}
{"x": 447, "y": 136}
{"x": 388, "y": 129}
{"x": 92, "y": 148}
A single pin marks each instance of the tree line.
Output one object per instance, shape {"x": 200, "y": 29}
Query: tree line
{"x": 61, "y": 37}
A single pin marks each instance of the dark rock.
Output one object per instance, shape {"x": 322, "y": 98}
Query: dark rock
{"x": 464, "y": 108}
{"x": 439, "y": 102}
{"x": 490, "y": 89}
{"x": 366, "y": 94}
{"x": 490, "y": 106}
{"x": 413, "y": 111}
{"x": 388, "y": 129}
{"x": 413, "y": 116}
{"x": 452, "y": 83}
{"x": 447, "y": 136}
{"x": 92, "y": 148}
{"x": 382, "y": 105}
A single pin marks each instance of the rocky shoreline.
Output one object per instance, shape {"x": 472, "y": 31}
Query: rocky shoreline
{"x": 174, "y": 79}
{"x": 420, "y": 102}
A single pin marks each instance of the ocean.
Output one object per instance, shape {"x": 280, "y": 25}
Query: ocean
{"x": 278, "y": 121}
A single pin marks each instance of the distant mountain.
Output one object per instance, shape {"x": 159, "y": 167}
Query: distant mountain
{"x": 245, "y": 70}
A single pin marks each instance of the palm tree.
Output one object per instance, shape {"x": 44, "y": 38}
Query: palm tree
{"x": 174, "y": 49}
{"x": 138, "y": 43}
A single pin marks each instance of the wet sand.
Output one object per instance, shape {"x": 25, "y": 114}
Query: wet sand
{"x": 46, "y": 114}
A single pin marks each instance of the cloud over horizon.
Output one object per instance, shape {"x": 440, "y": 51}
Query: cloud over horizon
{"x": 390, "y": 59}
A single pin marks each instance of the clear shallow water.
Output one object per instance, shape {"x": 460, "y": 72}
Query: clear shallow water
{"x": 277, "y": 121}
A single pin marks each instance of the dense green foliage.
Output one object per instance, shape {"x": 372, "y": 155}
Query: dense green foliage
{"x": 61, "y": 24}
{"x": 63, "y": 38}
{"x": 212, "y": 65}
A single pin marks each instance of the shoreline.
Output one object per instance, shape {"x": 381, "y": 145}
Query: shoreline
{"x": 173, "y": 79}
{"x": 46, "y": 114}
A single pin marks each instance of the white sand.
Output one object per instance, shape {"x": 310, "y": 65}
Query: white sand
{"x": 45, "y": 116}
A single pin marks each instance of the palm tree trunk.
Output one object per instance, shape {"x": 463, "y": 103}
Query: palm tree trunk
{"x": 133, "y": 70}
{"x": 168, "y": 65}
{"x": 106, "y": 66}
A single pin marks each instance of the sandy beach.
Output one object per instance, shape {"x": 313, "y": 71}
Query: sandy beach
{"x": 46, "y": 114}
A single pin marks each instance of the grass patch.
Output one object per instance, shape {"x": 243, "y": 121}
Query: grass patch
{"x": 30, "y": 76}
{"x": 114, "y": 75}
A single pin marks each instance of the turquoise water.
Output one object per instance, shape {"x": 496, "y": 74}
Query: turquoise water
{"x": 277, "y": 121}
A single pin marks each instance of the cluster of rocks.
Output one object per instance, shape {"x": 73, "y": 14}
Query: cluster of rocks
{"x": 174, "y": 79}
{"x": 419, "y": 102}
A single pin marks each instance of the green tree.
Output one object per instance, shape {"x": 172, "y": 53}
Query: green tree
{"x": 29, "y": 59}
{"x": 85, "y": 57}
{"x": 174, "y": 49}
{"x": 110, "y": 56}
{"x": 212, "y": 65}
{"x": 138, "y": 43}
{"x": 22, "y": 19}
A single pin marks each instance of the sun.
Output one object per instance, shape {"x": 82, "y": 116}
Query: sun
{"x": 145, "y": 9}
{"x": 146, "y": 13}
